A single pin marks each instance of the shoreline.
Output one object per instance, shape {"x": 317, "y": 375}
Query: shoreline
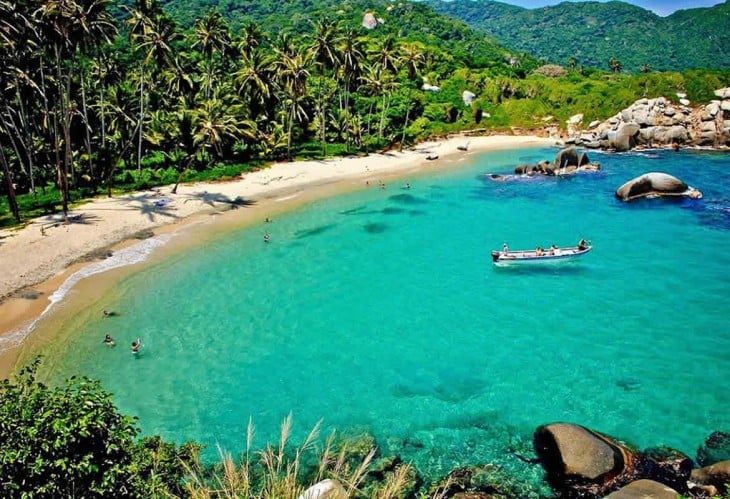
{"x": 40, "y": 258}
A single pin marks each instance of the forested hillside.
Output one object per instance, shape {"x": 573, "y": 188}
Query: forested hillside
{"x": 591, "y": 33}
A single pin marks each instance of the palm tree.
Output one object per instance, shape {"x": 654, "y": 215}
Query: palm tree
{"x": 212, "y": 35}
{"x": 293, "y": 73}
{"x": 413, "y": 58}
{"x": 324, "y": 51}
{"x": 351, "y": 56}
{"x": 385, "y": 55}
{"x": 251, "y": 39}
{"x": 255, "y": 80}
{"x": 213, "y": 38}
{"x": 378, "y": 84}
{"x": 70, "y": 28}
{"x": 151, "y": 31}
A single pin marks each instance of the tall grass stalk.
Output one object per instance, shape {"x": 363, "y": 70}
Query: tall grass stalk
{"x": 277, "y": 472}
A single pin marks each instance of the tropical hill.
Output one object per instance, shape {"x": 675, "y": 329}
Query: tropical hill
{"x": 591, "y": 33}
{"x": 407, "y": 21}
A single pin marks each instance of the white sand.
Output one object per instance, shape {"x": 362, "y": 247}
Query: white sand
{"x": 47, "y": 247}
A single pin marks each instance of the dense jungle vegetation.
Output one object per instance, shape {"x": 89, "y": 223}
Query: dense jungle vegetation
{"x": 593, "y": 32}
{"x": 97, "y": 97}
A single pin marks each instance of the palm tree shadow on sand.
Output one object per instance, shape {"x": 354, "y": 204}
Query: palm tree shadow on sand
{"x": 214, "y": 198}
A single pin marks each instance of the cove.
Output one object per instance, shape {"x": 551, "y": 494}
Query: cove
{"x": 379, "y": 311}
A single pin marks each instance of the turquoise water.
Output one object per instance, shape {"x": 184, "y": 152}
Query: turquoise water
{"x": 380, "y": 311}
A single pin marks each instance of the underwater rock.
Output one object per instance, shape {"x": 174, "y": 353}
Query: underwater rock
{"x": 641, "y": 489}
{"x": 655, "y": 184}
{"x": 668, "y": 466}
{"x": 715, "y": 449}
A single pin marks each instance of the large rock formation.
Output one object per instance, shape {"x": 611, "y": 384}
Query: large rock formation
{"x": 566, "y": 162}
{"x": 583, "y": 463}
{"x": 660, "y": 122}
{"x": 655, "y": 184}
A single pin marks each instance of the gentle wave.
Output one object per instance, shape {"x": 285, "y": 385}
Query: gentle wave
{"x": 128, "y": 256}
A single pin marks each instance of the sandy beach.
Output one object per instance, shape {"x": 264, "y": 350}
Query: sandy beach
{"x": 37, "y": 259}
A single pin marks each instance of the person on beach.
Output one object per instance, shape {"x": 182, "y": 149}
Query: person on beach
{"x": 109, "y": 341}
{"x": 136, "y": 345}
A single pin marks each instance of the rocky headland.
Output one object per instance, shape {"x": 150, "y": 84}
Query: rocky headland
{"x": 658, "y": 122}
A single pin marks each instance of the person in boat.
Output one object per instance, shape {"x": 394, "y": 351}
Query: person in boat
{"x": 553, "y": 249}
{"x": 539, "y": 251}
{"x": 505, "y": 249}
{"x": 136, "y": 345}
{"x": 109, "y": 341}
{"x": 582, "y": 244}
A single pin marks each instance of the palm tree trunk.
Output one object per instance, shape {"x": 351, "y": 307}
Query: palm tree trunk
{"x": 403, "y": 137}
{"x": 61, "y": 165}
{"x": 86, "y": 129}
{"x": 382, "y": 120}
{"x": 289, "y": 129}
{"x": 141, "y": 118}
{"x": 28, "y": 139}
{"x": 12, "y": 201}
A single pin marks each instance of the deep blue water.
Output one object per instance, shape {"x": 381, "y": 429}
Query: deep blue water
{"x": 380, "y": 311}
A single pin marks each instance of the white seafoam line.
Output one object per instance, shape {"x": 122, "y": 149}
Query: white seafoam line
{"x": 128, "y": 256}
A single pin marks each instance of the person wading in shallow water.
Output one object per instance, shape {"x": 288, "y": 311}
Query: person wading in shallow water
{"x": 136, "y": 345}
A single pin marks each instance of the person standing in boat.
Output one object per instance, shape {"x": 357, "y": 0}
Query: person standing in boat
{"x": 505, "y": 249}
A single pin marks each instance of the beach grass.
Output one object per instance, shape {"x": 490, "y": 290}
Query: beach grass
{"x": 284, "y": 471}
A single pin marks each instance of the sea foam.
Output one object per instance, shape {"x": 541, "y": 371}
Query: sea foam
{"x": 132, "y": 255}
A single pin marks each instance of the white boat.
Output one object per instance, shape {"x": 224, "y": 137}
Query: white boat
{"x": 551, "y": 255}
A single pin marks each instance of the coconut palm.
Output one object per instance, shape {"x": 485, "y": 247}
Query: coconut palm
{"x": 324, "y": 51}
{"x": 251, "y": 39}
{"x": 378, "y": 84}
{"x": 293, "y": 73}
{"x": 256, "y": 82}
{"x": 70, "y": 28}
{"x": 413, "y": 58}
{"x": 385, "y": 55}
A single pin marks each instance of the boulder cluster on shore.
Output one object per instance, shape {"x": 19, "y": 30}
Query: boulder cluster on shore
{"x": 579, "y": 462}
{"x": 658, "y": 123}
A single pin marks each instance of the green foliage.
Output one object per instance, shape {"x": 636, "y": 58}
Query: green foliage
{"x": 63, "y": 442}
{"x": 589, "y": 33}
{"x": 71, "y": 441}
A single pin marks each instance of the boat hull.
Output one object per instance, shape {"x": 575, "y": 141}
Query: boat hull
{"x": 530, "y": 257}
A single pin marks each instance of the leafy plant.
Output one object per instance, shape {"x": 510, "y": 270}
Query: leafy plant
{"x": 70, "y": 441}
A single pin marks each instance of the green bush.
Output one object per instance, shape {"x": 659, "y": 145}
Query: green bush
{"x": 71, "y": 441}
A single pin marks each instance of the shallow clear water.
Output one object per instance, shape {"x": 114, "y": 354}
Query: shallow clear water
{"x": 381, "y": 311}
